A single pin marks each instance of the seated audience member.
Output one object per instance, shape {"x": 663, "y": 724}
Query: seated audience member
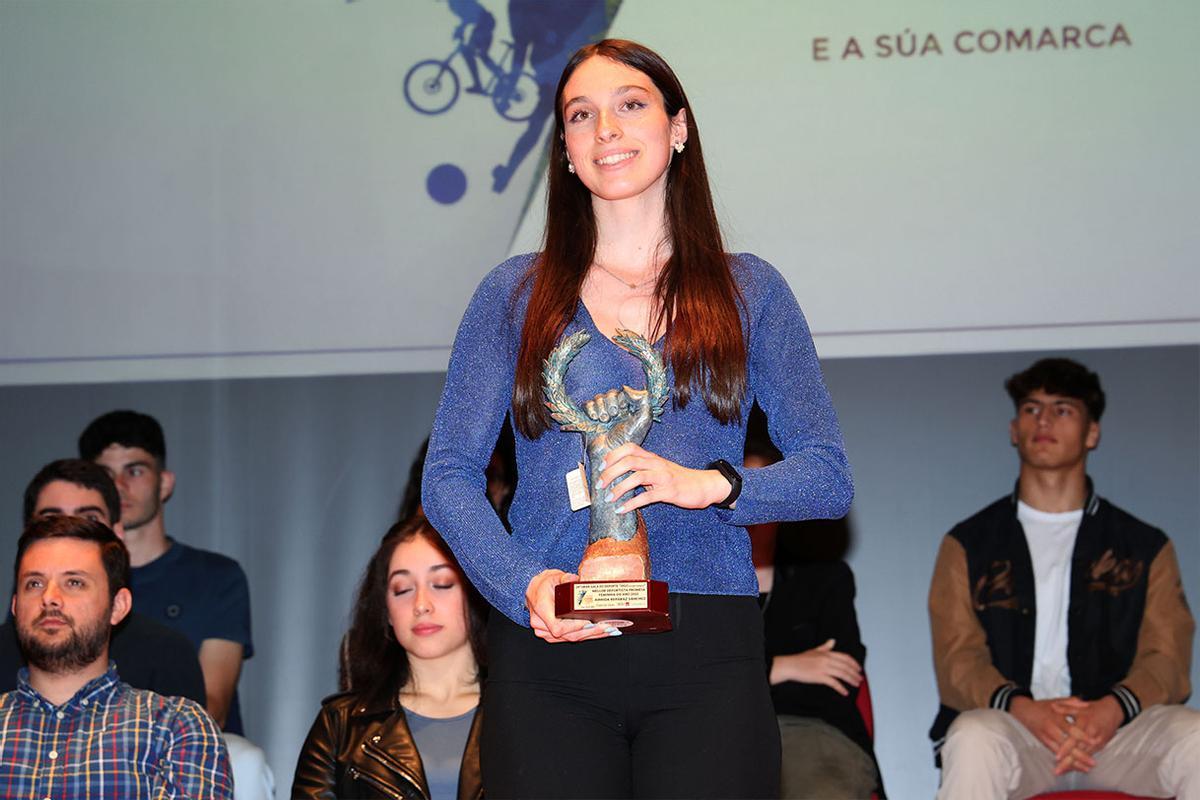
{"x": 409, "y": 725}
{"x": 814, "y": 656}
{"x": 148, "y": 654}
{"x": 202, "y": 594}
{"x": 1062, "y": 640}
{"x": 72, "y": 729}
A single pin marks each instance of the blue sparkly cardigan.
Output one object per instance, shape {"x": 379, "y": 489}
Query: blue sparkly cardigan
{"x": 705, "y": 551}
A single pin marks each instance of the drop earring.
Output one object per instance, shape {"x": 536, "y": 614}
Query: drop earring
{"x": 678, "y": 147}
{"x": 570, "y": 168}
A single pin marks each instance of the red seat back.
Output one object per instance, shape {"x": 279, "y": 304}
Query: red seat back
{"x": 1089, "y": 794}
{"x": 864, "y": 706}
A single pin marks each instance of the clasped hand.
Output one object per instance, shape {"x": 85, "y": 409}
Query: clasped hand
{"x": 1071, "y": 728}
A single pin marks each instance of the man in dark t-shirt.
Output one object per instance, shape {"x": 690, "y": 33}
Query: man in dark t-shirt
{"x": 201, "y": 594}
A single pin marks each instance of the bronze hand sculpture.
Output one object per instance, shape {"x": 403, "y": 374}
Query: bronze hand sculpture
{"x": 617, "y": 545}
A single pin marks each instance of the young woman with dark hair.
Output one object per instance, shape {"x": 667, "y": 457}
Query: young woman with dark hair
{"x": 408, "y": 725}
{"x": 631, "y": 242}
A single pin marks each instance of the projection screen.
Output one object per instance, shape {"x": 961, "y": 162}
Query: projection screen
{"x": 228, "y": 189}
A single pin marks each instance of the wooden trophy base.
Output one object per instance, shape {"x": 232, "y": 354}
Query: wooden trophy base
{"x": 632, "y": 606}
{"x": 615, "y": 587}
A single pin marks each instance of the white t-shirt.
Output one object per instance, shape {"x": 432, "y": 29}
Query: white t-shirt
{"x": 1051, "y": 539}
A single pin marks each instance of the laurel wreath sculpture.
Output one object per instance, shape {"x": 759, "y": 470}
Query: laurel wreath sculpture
{"x": 567, "y": 413}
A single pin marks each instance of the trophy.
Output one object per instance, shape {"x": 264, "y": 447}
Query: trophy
{"x": 615, "y": 587}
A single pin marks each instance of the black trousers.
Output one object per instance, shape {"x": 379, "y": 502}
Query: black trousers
{"x": 680, "y": 714}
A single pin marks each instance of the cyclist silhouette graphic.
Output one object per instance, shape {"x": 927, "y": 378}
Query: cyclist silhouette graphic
{"x": 478, "y": 45}
{"x": 432, "y": 86}
{"x": 546, "y": 33}
{"x": 522, "y": 80}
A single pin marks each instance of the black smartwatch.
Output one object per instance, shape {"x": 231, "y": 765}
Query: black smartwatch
{"x": 735, "y": 481}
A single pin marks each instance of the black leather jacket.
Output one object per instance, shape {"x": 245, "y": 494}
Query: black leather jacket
{"x": 363, "y": 750}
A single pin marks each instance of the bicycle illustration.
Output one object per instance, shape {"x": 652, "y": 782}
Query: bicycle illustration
{"x": 432, "y": 86}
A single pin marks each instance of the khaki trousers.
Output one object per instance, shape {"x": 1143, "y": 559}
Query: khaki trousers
{"x": 989, "y": 755}
{"x": 822, "y": 763}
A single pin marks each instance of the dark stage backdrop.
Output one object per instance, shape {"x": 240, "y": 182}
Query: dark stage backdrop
{"x": 298, "y": 479}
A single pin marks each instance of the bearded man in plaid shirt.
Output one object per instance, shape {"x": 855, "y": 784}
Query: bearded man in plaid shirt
{"x": 72, "y": 729}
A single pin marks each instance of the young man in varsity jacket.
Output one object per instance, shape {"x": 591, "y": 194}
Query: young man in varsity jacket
{"x": 1062, "y": 639}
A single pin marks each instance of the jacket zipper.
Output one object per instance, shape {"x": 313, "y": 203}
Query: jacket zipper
{"x": 359, "y": 775}
{"x": 394, "y": 766}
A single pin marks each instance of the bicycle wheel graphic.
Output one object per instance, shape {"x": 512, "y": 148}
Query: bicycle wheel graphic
{"x": 517, "y": 104}
{"x": 431, "y": 86}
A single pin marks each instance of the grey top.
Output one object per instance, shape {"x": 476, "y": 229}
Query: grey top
{"x": 441, "y": 743}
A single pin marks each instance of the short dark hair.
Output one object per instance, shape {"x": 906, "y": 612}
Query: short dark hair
{"x": 83, "y": 473}
{"x": 376, "y": 666}
{"x": 112, "y": 550}
{"x": 1060, "y": 376}
{"x": 126, "y": 428}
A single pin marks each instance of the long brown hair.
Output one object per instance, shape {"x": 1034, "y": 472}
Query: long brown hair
{"x": 372, "y": 662}
{"x": 698, "y": 298}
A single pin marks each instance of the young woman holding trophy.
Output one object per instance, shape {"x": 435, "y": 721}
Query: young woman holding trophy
{"x": 632, "y": 255}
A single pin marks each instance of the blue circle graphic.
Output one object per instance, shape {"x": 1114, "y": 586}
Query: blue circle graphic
{"x": 446, "y": 183}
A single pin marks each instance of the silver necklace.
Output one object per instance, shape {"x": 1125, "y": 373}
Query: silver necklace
{"x": 638, "y": 285}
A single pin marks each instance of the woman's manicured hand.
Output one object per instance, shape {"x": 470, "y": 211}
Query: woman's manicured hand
{"x": 664, "y": 481}
{"x": 539, "y": 599}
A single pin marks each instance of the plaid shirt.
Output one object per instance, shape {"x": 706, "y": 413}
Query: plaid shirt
{"x": 109, "y": 741}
